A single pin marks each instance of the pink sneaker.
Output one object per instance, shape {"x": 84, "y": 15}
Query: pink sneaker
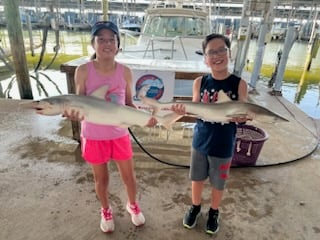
{"x": 106, "y": 224}
{"x": 137, "y": 217}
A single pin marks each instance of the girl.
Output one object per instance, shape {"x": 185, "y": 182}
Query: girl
{"x": 101, "y": 143}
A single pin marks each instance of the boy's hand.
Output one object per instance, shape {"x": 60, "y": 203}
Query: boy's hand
{"x": 179, "y": 108}
{"x": 240, "y": 120}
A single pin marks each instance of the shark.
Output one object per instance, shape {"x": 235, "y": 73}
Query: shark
{"x": 221, "y": 111}
{"x": 95, "y": 109}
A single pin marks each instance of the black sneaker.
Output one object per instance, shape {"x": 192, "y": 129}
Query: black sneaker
{"x": 213, "y": 221}
{"x": 190, "y": 219}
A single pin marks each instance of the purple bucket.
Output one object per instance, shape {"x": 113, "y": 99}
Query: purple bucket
{"x": 249, "y": 142}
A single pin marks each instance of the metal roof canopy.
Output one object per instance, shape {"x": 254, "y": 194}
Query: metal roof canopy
{"x": 301, "y": 8}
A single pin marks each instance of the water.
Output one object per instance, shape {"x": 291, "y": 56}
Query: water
{"x": 77, "y": 44}
{"x": 309, "y": 103}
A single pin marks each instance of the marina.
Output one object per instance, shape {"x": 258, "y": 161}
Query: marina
{"x": 266, "y": 200}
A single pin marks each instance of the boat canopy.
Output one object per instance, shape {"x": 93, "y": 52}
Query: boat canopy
{"x": 176, "y": 18}
{"x": 172, "y": 26}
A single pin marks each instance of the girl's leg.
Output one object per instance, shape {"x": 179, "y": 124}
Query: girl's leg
{"x": 101, "y": 179}
{"x": 127, "y": 174}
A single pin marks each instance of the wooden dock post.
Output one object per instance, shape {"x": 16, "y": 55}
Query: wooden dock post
{"x": 105, "y": 9}
{"x": 11, "y": 9}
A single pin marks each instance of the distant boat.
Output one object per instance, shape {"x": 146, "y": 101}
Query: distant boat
{"x": 78, "y": 26}
{"x": 76, "y": 22}
{"x": 131, "y": 26}
{"x": 172, "y": 30}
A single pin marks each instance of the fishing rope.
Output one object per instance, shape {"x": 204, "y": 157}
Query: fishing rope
{"x": 152, "y": 156}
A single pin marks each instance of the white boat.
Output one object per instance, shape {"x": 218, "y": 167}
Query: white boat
{"x": 172, "y": 30}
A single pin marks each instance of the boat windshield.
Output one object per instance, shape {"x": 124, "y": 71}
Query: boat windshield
{"x": 172, "y": 26}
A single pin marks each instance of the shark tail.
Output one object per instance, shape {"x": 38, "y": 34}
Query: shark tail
{"x": 152, "y": 103}
{"x": 169, "y": 119}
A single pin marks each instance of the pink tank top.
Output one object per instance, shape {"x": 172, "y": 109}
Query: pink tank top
{"x": 116, "y": 93}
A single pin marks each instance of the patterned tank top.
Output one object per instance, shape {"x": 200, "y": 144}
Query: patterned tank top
{"x": 216, "y": 139}
{"x": 116, "y": 93}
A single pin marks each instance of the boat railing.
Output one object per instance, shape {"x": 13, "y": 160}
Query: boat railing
{"x": 131, "y": 36}
{"x": 153, "y": 39}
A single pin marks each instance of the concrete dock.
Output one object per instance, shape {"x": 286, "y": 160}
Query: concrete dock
{"x": 47, "y": 191}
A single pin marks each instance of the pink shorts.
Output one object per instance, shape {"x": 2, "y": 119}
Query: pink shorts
{"x": 102, "y": 151}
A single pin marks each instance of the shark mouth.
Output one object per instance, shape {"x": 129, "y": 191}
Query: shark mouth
{"x": 36, "y": 106}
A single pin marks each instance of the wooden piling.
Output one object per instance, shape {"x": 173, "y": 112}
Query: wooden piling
{"x": 11, "y": 9}
{"x": 105, "y": 9}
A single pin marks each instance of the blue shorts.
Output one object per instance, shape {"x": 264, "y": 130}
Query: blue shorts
{"x": 204, "y": 166}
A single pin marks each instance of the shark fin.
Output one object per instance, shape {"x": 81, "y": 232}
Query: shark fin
{"x": 223, "y": 97}
{"x": 154, "y": 104}
{"x": 100, "y": 92}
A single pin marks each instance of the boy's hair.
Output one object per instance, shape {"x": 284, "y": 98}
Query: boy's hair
{"x": 212, "y": 36}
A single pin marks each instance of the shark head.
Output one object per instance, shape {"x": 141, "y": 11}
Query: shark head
{"x": 48, "y": 106}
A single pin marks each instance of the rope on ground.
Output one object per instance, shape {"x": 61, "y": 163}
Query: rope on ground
{"x": 232, "y": 166}
{"x": 153, "y": 157}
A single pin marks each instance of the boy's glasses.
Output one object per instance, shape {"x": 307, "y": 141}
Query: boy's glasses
{"x": 219, "y": 52}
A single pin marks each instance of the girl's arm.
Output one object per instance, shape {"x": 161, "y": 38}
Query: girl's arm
{"x": 128, "y": 78}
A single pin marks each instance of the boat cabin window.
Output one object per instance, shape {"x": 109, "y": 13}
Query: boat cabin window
{"x": 171, "y": 26}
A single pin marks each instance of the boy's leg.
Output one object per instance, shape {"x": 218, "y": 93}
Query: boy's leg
{"x": 191, "y": 217}
{"x": 218, "y": 174}
{"x": 198, "y": 174}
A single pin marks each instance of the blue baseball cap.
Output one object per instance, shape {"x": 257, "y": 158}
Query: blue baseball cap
{"x": 105, "y": 25}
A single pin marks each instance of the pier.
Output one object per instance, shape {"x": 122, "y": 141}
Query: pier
{"x": 47, "y": 190}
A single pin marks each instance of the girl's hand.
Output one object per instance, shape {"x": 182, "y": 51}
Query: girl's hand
{"x": 152, "y": 122}
{"x": 73, "y": 115}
